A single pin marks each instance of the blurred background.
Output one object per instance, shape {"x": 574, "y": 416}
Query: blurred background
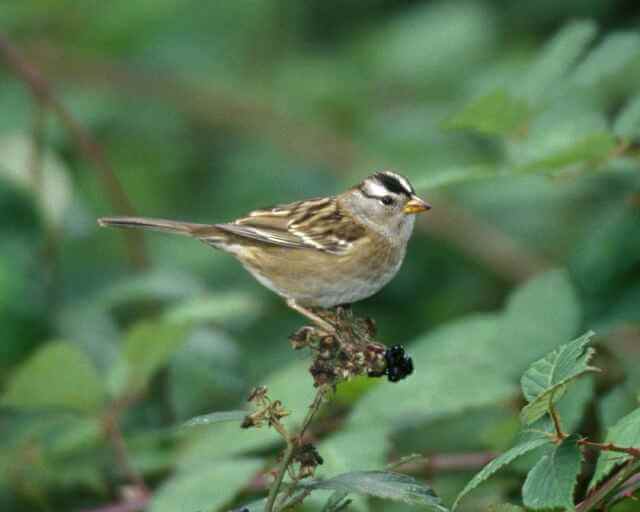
{"x": 516, "y": 120}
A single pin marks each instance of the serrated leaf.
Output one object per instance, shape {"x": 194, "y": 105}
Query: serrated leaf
{"x": 496, "y": 113}
{"x": 383, "y": 484}
{"x": 626, "y": 433}
{"x": 462, "y": 347}
{"x": 57, "y": 376}
{"x": 540, "y": 315}
{"x": 205, "y": 487}
{"x": 148, "y": 346}
{"x": 557, "y": 57}
{"x": 608, "y": 58}
{"x": 627, "y": 124}
{"x": 500, "y": 462}
{"x": 546, "y": 380}
{"x": 214, "y": 417}
{"x": 552, "y": 481}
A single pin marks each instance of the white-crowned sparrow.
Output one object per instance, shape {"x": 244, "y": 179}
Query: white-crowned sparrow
{"x": 319, "y": 252}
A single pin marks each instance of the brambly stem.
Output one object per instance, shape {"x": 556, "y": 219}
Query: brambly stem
{"x": 593, "y": 500}
{"x": 610, "y": 447}
{"x": 292, "y": 444}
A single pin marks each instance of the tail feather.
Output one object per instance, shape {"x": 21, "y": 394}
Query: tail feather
{"x": 167, "y": 226}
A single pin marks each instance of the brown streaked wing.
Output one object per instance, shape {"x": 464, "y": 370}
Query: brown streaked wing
{"x": 312, "y": 224}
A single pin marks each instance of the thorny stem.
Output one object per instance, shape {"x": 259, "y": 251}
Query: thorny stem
{"x": 290, "y": 450}
{"x": 630, "y": 487}
{"x": 610, "y": 447}
{"x": 601, "y": 493}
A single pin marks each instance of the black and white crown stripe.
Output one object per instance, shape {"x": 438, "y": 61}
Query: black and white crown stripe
{"x": 386, "y": 182}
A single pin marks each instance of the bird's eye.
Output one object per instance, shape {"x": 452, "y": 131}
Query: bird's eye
{"x": 387, "y": 200}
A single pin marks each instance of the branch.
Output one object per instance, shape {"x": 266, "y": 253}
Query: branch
{"x": 553, "y": 412}
{"x": 290, "y": 451}
{"x": 111, "y": 425}
{"x": 610, "y": 447}
{"x": 42, "y": 92}
{"x": 446, "y": 462}
{"x": 609, "y": 486}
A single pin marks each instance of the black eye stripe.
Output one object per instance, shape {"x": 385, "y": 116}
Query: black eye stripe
{"x": 392, "y": 184}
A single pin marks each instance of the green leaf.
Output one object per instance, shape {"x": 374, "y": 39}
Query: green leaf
{"x": 222, "y": 308}
{"x": 353, "y": 448}
{"x": 207, "y": 369}
{"x": 506, "y": 507}
{"x": 51, "y": 189}
{"x": 207, "y": 487}
{"x": 148, "y": 346}
{"x": 586, "y": 149}
{"x": 383, "y": 484}
{"x": 464, "y": 347}
{"x": 501, "y": 461}
{"x": 608, "y": 58}
{"x": 57, "y": 376}
{"x": 540, "y": 315}
{"x": 254, "y": 506}
{"x": 546, "y": 380}
{"x": 625, "y": 433}
{"x": 335, "y": 501}
{"x": 151, "y": 286}
{"x": 215, "y": 417}
{"x": 552, "y": 481}
{"x": 557, "y": 57}
{"x": 627, "y": 124}
{"x": 291, "y": 385}
{"x": 455, "y": 175}
{"x": 496, "y": 113}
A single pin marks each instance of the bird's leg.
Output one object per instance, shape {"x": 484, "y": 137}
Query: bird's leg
{"x": 320, "y": 322}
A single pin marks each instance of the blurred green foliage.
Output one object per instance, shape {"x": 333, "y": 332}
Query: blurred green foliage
{"x": 519, "y": 121}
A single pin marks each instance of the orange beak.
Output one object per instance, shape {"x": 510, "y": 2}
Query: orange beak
{"x": 416, "y": 205}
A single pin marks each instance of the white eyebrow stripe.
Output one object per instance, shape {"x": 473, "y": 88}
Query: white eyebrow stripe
{"x": 375, "y": 189}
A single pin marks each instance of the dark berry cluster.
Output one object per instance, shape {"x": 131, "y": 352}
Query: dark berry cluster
{"x": 399, "y": 364}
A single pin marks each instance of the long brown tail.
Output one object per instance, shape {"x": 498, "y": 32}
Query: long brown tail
{"x": 168, "y": 226}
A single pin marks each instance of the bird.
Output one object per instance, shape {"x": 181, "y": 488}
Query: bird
{"x": 316, "y": 253}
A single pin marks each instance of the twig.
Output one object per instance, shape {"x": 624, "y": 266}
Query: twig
{"x": 42, "y": 92}
{"x": 448, "y": 462}
{"x": 553, "y": 412}
{"x": 601, "y": 493}
{"x": 610, "y": 447}
{"x": 630, "y": 487}
{"x": 292, "y": 444}
{"x": 282, "y": 469}
{"x": 111, "y": 423}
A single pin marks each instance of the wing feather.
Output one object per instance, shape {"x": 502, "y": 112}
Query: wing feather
{"x": 312, "y": 224}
